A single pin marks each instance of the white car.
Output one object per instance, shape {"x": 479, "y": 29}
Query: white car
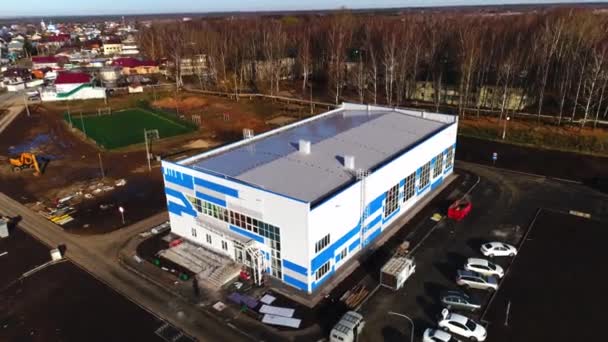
{"x": 492, "y": 249}
{"x": 485, "y": 267}
{"x": 435, "y": 335}
{"x": 474, "y": 280}
{"x": 461, "y": 325}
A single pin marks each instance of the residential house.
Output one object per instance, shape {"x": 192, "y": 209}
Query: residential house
{"x": 134, "y": 66}
{"x": 493, "y": 97}
{"x": 42, "y": 62}
{"x": 112, "y": 47}
{"x": 72, "y": 86}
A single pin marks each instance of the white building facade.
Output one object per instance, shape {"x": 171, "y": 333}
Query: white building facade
{"x": 294, "y": 195}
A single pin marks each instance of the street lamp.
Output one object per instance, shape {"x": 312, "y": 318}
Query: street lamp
{"x": 504, "y": 128}
{"x": 409, "y": 319}
{"x": 122, "y": 214}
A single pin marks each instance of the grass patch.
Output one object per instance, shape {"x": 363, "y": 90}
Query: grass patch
{"x": 126, "y": 127}
{"x": 564, "y": 138}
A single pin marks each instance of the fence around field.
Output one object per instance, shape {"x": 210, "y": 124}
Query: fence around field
{"x": 126, "y": 127}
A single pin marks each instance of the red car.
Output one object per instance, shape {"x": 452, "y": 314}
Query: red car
{"x": 459, "y": 209}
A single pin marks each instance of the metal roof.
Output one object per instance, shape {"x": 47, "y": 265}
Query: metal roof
{"x": 272, "y": 161}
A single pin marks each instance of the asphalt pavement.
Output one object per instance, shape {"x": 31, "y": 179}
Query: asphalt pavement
{"x": 504, "y": 203}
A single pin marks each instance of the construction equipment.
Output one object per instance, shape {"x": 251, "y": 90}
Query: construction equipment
{"x": 27, "y": 161}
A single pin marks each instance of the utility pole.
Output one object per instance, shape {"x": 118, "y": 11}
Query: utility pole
{"x": 27, "y": 108}
{"x": 147, "y": 150}
{"x": 504, "y": 128}
{"x": 149, "y": 136}
{"x": 103, "y": 175}
{"x": 311, "y": 105}
{"x": 82, "y": 123}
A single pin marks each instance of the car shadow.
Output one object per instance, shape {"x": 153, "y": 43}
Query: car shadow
{"x": 475, "y": 244}
{"x": 431, "y": 307}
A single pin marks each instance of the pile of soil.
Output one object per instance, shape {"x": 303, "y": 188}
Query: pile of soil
{"x": 184, "y": 104}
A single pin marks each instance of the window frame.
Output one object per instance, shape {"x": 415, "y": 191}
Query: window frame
{"x": 391, "y": 202}
{"x": 438, "y": 167}
{"x": 409, "y": 188}
{"x": 425, "y": 175}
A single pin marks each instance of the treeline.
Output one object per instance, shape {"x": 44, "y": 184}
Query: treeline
{"x": 558, "y": 58}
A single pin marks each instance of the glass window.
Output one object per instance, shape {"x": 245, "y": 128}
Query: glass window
{"x": 438, "y": 169}
{"x": 392, "y": 200}
{"x": 322, "y": 271}
{"x": 425, "y": 175}
{"x": 449, "y": 158}
{"x": 410, "y": 187}
{"x": 322, "y": 243}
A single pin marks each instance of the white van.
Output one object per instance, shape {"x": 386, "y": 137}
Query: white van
{"x": 348, "y": 328}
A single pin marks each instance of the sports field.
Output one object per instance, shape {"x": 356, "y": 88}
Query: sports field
{"x": 126, "y": 127}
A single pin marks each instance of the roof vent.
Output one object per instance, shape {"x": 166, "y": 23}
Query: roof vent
{"x": 349, "y": 162}
{"x": 304, "y": 146}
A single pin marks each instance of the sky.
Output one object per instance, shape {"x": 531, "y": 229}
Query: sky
{"x": 10, "y": 8}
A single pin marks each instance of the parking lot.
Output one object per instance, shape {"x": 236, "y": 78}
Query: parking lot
{"x": 555, "y": 287}
{"x": 504, "y": 206}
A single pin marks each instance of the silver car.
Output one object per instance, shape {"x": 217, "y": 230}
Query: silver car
{"x": 459, "y": 300}
{"x": 474, "y": 280}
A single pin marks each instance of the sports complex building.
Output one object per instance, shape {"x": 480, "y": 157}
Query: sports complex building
{"x": 296, "y": 203}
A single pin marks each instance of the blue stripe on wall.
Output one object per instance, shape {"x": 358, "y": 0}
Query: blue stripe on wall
{"x": 374, "y": 222}
{"x": 373, "y": 236}
{"x": 376, "y": 203}
{"x": 295, "y": 267}
{"x": 315, "y": 284}
{"x": 295, "y": 282}
{"x": 216, "y": 187}
{"x": 214, "y": 200}
{"x": 179, "y": 178}
{"x": 247, "y": 233}
{"x": 338, "y": 258}
{"x": 447, "y": 169}
{"x": 328, "y": 253}
{"x": 437, "y": 183}
{"x": 354, "y": 245}
{"x": 177, "y": 208}
{"x": 391, "y": 215}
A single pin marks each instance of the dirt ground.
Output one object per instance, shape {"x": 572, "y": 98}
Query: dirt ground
{"x": 74, "y": 163}
{"x": 62, "y": 302}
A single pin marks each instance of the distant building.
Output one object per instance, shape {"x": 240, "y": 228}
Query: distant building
{"x": 72, "y": 86}
{"x": 112, "y": 47}
{"x": 134, "y": 66}
{"x": 484, "y": 97}
{"x": 197, "y": 65}
{"x": 43, "y": 62}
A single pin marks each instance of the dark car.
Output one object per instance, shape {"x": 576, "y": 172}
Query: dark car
{"x": 459, "y": 300}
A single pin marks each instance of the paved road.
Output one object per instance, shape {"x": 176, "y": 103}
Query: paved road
{"x": 504, "y": 203}
{"x": 10, "y": 102}
{"x": 98, "y": 255}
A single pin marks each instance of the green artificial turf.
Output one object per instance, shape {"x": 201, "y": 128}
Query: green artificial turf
{"x": 126, "y": 127}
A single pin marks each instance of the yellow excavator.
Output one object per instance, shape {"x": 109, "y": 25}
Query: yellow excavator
{"x": 27, "y": 161}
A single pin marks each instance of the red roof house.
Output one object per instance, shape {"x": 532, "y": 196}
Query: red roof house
{"x": 72, "y": 78}
{"x": 44, "y": 59}
{"x": 134, "y": 66}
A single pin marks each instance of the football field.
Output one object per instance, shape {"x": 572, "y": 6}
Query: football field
{"x": 126, "y": 127}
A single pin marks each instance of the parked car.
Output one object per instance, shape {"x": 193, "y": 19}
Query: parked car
{"x": 462, "y": 326}
{"x": 474, "y": 280}
{"x": 460, "y": 300}
{"x": 492, "y": 249}
{"x": 436, "y": 335}
{"x": 485, "y": 267}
